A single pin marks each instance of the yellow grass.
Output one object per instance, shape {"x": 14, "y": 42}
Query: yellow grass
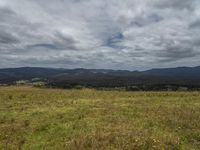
{"x": 51, "y": 119}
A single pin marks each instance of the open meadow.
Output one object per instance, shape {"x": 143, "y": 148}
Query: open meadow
{"x": 54, "y": 119}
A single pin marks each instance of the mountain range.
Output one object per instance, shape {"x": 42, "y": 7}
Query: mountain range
{"x": 181, "y": 76}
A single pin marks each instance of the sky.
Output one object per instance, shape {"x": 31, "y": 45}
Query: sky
{"x": 109, "y": 34}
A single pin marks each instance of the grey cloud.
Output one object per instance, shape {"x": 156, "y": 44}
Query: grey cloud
{"x": 42, "y": 45}
{"x": 99, "y": 34}
{"x": 58, "y": 42}
{"x": 176, "y": 53}
{"x": 6, "y": 13}
{"x": 146, "y": 20}
{"x": 65, "y": 42}
{"x": 195, "y": 24}
{"x": 7, "y": 38}
{"x": 176, "y": 4}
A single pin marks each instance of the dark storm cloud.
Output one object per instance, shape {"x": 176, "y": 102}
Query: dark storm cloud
{"x": 99, "y": 34}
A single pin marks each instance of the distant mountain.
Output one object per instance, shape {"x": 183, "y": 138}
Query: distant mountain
{"x": 26, "y": 73}
{"x": 181, "y": 76}
{"x": 186, "y": 72}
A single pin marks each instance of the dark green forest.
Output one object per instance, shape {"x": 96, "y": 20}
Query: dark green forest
{"x": 169, "y": 79}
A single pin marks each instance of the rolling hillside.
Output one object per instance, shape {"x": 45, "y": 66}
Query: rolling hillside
{"x": 182, "y": 76}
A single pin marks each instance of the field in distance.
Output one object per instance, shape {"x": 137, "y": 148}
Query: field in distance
{"x": 33, "y": 118}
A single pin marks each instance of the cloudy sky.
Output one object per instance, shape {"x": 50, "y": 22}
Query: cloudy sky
{"x": 117, "y": 34}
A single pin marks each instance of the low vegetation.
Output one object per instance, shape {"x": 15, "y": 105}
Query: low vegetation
{"x": 33, "y": 119}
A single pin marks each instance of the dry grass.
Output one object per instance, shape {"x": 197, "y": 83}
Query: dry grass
{"x": 33, "y": 119}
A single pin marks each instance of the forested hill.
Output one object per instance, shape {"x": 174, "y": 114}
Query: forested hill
{"x": 181, "y": 76}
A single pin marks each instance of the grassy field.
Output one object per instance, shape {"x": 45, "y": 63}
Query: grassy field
{"x": 49, "y": 119}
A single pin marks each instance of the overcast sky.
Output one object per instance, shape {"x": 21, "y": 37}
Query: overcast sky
{"x": 117, "y": 34}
